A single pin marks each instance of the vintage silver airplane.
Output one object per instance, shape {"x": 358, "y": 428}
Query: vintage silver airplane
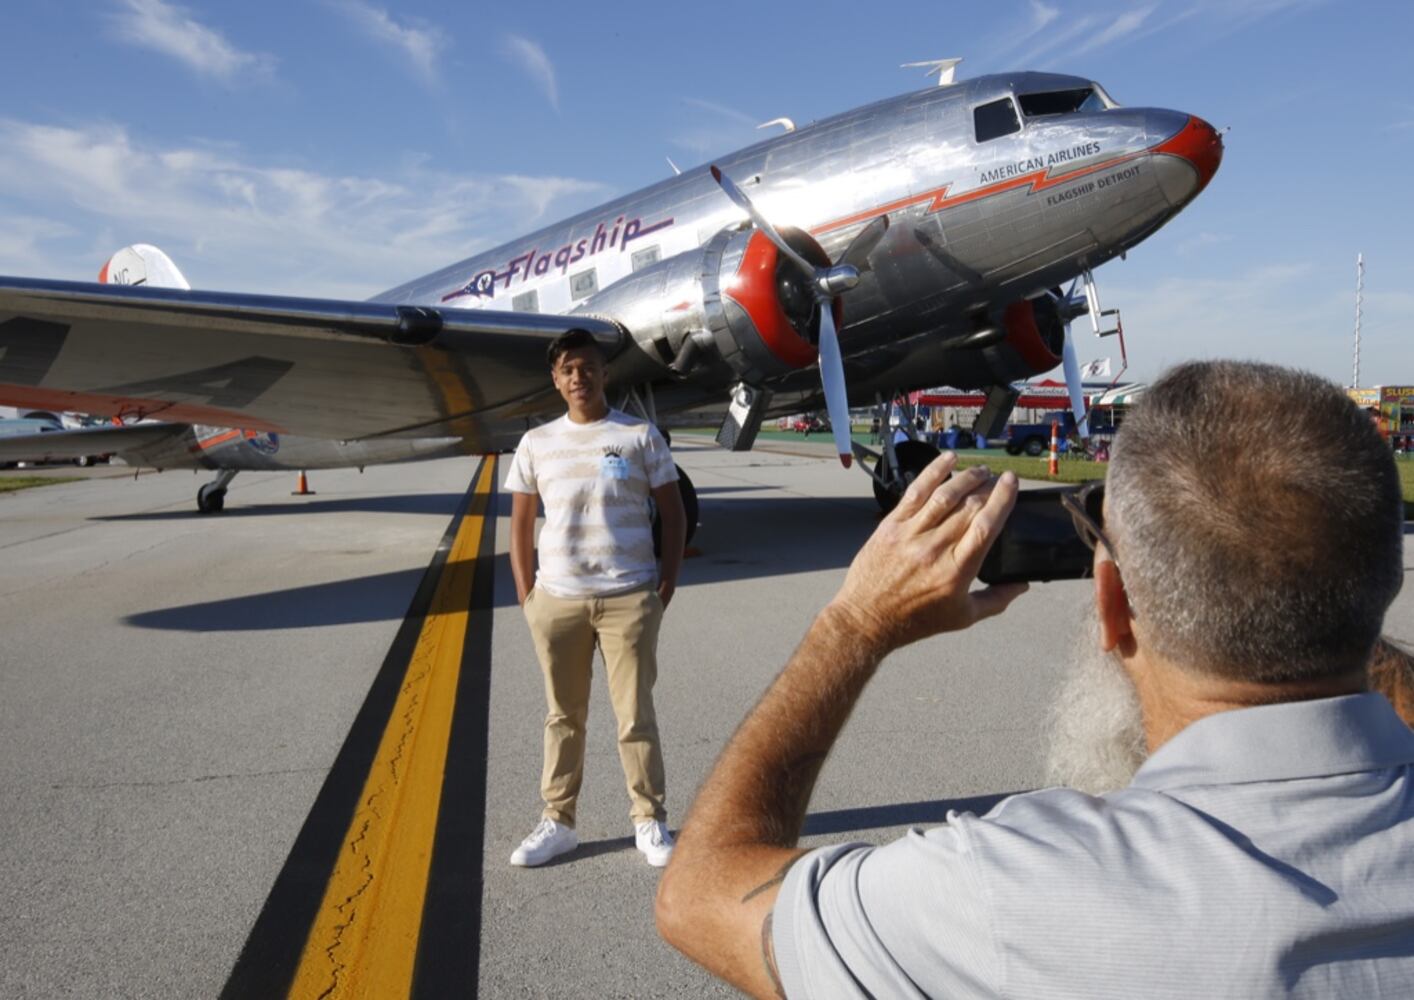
{"x": 918, "y": 241}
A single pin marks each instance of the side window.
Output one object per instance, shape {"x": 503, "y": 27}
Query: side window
{"x": 643, "y": 258}
{"x": 526, "y": 302}
{"x": 995, "y": 119}
{"x": 583, "y": 284}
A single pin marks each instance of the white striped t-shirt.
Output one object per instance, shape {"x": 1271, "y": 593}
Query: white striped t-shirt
{"x": 594, "y": 480}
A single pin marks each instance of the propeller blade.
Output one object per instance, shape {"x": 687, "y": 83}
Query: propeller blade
{"x": 832, "y": 378}
{"x": 1072, "y": 384}
{"x": 859, "y": 249}
{"x": 742, "y": 202}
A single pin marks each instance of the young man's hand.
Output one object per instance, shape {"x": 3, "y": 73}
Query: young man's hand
{"x": 913, "y": 577}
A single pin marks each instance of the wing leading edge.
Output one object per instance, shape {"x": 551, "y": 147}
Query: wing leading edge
{"x": 324, "y": 368}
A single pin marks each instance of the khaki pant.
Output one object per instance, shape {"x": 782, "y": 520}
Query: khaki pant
{"x": 565, "y": 631}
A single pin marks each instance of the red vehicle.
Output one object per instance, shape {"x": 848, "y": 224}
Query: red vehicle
{"x": 810, "y": 424}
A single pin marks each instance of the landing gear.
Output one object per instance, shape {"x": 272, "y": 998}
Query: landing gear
{"x": 890, "y": 481}
{"x": 643, "y": 405}
{"x": 211, "y": 498}
{"x": 689, "y": 507}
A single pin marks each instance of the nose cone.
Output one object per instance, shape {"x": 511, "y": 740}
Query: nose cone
{"x": 1193, "y": 142}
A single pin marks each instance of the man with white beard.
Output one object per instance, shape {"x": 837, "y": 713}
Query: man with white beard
{"x": 1257, "y": 835}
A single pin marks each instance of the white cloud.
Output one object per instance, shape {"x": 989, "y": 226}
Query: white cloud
{"x": 1122, "y": 26}
{"x": 1042, "y": 15}
{"x": 1096, "y": 29}
{"x": 1244, "y": 12}
{"x": 234, "y": 223}
{"x": 716, "y": 129}
{"x": 533, "y": 61}
{"x": 168, "y": 29}
{"x": 422, "y": 44}
{"x": 721, "y": 110}
{"x": 1286, "y": 313}
{"x": 1074, "y": 29}
{"x": 1201, "y": 241}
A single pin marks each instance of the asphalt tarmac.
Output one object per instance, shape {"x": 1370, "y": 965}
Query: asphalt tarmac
{"x": 182, "y": 699}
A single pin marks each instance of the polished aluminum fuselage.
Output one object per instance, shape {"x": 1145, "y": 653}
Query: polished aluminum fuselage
{"x": 975, "y": 225}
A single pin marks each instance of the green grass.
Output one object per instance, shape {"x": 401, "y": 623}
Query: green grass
{"x": 1071, "y": 470}
{"x": 9, "y": 484}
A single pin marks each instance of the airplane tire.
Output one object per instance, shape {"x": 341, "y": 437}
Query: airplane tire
{"x": 913, "y": 458}
{"x": 689, "y": 506}
{"x": 210, "y": 501}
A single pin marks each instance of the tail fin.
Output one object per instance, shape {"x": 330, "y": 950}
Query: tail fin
{"x": 142, "y": 264}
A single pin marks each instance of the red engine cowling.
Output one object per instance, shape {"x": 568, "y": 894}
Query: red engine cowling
{"x": 736, "y": 300}
{"x": 1022, "y": 339}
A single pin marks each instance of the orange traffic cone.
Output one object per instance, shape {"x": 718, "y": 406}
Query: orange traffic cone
{"x": 302, "y": 489}
{"x": 1055, "y": 448}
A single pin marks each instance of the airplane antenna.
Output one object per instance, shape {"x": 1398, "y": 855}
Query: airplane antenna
{"x": 784, "y": 123}
{"x": 945, "y": 68}
{"x": 1359, "y": 296}
{"x": 675, "y": 167}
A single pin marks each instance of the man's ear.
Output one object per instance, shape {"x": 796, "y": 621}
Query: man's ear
{"x": 1112, "y": 606}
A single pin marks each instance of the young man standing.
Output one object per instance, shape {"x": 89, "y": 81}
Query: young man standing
{"x": 597, "y": 584}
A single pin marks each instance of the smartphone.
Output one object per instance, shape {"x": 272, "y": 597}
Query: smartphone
{"x": 1038, "y": 542}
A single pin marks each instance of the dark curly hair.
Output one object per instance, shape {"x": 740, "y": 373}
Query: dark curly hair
{"x": 571, "y": 340}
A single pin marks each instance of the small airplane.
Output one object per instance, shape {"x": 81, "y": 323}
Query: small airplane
{"x": 917, "y": 241}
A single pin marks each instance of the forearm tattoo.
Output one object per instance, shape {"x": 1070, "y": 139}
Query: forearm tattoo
{"x": 768, "y": 955}
{"x": 768, "y": 947}
{"x": 775, "y": 879}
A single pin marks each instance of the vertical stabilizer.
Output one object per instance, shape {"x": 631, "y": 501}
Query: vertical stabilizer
{"x": 142, "y": 264}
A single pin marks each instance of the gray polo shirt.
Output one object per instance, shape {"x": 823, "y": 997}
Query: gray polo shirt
{"x": 1261, "y": 852}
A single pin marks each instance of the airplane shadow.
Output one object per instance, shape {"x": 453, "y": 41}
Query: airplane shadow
{"x": 444, "y": 504}
{"x": 706, "y": 491}
{"x": 739, "y": 538}
{"x": 380, "y": 597}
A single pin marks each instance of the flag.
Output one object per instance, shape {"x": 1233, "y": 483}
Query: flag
{"x": 1099, "y": 368}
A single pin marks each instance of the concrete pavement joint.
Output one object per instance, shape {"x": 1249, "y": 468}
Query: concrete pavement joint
{"x": 99, "y": 786}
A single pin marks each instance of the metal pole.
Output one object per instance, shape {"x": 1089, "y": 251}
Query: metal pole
{"x": 1359, "y": 294}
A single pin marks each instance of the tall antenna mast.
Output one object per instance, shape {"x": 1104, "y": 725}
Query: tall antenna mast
{"x": 1359, "y": 296}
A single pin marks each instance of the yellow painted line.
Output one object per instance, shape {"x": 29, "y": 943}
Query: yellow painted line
{"x": 364, "y": 940}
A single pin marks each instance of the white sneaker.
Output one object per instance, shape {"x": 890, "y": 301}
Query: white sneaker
{"x": 548, "y": 840}
{"x": 653, "y": 839}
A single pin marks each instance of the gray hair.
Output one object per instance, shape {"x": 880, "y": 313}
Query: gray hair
{"x": 1257, "y": 521}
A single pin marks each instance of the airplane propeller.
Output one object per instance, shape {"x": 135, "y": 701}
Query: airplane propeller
{"x": 825, "y": 284}
{"x": 1069, "y": 309}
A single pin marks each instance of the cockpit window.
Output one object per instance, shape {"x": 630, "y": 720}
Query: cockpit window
{"x": 1060, "y": 102}
{"x": 995, "y": 119}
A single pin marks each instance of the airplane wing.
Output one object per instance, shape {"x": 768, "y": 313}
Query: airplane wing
{"x": 323, "y": 368}
{"x": 60, "y": 445}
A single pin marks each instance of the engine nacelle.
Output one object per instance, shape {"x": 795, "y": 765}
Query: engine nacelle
{"x": 1023, "y": 339}
{"x": 736, "y": 300}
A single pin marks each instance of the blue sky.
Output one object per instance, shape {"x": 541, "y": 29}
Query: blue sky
{"x": 340, "y": 147}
